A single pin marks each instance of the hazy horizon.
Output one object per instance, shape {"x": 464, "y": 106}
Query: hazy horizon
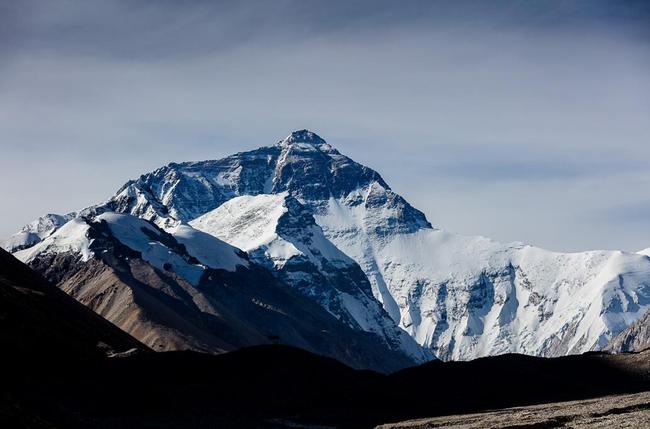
{"x": 519, "y": 121}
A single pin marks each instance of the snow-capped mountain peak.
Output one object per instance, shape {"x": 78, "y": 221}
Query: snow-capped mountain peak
{"x": 303, "y": 137}
{"x": 428, "y": 281}
{"x": 302, "y": 164}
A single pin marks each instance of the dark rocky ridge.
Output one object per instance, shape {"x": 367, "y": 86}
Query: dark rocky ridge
{"x": 37, "y": 319}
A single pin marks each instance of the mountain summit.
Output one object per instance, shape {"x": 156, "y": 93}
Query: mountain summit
{"x": 333, "y": 231}
{"x": 182, "y": 192}
{"x": 303, "y": 136}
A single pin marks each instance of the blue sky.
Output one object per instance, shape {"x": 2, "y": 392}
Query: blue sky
{"x": 517, "y": 120}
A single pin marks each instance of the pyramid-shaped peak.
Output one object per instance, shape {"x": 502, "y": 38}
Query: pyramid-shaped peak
{"x": 304, "y": 136}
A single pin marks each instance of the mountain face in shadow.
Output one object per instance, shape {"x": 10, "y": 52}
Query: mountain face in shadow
{"x": 37, "y": 319}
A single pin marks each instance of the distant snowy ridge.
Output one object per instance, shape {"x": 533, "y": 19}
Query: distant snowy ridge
{"x": 35, "y": 231}
{"x": 466, "y": 297}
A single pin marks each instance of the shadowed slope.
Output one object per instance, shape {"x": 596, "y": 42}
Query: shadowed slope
{"x": 37, "y": 319}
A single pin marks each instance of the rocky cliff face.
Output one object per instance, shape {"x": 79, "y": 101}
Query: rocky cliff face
{"x": 634, "y": 338}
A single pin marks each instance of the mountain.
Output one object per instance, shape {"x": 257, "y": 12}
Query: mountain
{"x": 458, "y": 297}
{"x": 634, "y": 338}
{"x": 186, "y": 289}
{"x": 38, "y": 322}
{"x": 461, "y": 297}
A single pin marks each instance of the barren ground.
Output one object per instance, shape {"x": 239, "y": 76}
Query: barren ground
{"x": 611, "y": 412}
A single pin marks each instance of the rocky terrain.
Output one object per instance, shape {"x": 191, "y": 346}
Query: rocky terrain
{"x": 610, "y": 412}
{"x": 634, "y": 338}
{"x": 37, "y": 320}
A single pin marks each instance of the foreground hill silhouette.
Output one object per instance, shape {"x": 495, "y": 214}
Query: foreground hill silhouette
{"x": 278, "y": 386}
{"x": 37, "y": 319}
{"x": 58, "y": 378}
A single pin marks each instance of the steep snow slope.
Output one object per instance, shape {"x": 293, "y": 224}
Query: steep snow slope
{"x": 210, "y": 252}
{"x": 466, "y": 296}
{"x": 35, "y": 231}
{"x": 250, "y": 223}
{"x": 279, "y": 233}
